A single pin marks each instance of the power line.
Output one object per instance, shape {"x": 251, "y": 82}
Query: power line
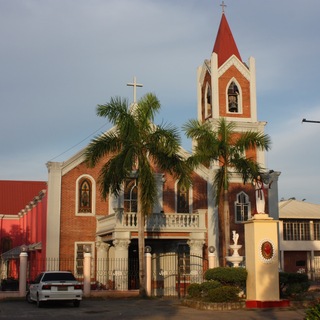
{"x": 78, "y": 143}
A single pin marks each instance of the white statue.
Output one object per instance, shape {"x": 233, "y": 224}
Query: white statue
{"x": 260, "y": 187}
{"x": 235, "y": 237}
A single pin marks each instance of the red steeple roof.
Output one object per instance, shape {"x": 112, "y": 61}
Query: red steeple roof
{"x": 225, "y": 46}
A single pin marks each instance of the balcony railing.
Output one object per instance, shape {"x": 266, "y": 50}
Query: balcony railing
{"x": 157, "y": 222}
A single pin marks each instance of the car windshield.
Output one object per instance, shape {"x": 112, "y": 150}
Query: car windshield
{"x": 58, "y": 277}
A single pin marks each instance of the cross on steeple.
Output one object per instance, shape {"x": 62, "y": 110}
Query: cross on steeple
{"x": 223, "y": 6}
{"x": 134, "y": 85}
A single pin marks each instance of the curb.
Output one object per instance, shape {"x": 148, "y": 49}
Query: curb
{"x": 214, "y": 305}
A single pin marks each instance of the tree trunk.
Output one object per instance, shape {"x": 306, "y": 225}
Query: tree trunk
{"x": 224, "y": 229}
{"x": 141, "y": 223}
{"x": 226, "y": 222}
{"x": 222, "y": 249}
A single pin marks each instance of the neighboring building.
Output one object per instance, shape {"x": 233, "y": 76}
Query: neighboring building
{"x": 23, "y": 207}
{"x": 184, "y": 223}
{"x": 299, "y": 237}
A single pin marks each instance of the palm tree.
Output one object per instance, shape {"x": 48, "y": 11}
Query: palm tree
{"x": 224, "y": 145}
{"x": 136, "y": 144}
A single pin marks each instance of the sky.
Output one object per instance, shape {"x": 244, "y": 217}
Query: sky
{"x": 59, "y": 59}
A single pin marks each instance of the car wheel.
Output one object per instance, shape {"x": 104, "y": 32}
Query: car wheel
{"x": 39, "y": 303}
{"x": 28, "y": 298}
{"x": 76, "y": 303}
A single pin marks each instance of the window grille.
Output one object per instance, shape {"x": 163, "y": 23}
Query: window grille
{"x": 296, "y": 230}
{"x": 80, "y": 250}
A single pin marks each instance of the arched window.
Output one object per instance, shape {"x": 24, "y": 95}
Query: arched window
{"x": 233, "y": 98}
{"x": 208, "y": 102}
{"x": 242, "y": 207}
{"x": 85, "y": 196}
{"x": 130, "y": 195}
{"x": 182, "y": 199}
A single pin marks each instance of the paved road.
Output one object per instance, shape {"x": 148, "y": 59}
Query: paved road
{"x": 136, "y": 309}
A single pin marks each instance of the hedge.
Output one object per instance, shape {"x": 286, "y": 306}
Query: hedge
{"x": 227, "y": 276}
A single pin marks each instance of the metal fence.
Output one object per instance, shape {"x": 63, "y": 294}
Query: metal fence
{"x": 172, "y": 273}
{"x": 106, "y": 273}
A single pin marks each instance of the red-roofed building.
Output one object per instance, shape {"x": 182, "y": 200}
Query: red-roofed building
{"x": 23, "y": 207}
{"x": 14, "y": 195}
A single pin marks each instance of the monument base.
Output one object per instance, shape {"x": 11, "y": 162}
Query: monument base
{"x": 250, "y": 304}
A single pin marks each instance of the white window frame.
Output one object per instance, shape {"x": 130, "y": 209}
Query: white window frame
{"x": 236, "y": 203}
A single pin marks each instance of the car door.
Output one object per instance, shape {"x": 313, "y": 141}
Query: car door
{"x": 34, "y": 286}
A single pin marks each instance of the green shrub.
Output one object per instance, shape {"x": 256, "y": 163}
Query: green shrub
{"x": 209, "y": 285}
{"x": 293, "y": 284}
{"x": 194, "y": 290}
{"x": 223, "y": 294}
{"x": 227, "y": 276}
{"x": 298, "y": 277}
{"x": 297, "y": 288}
{"x": 313, "y": 313}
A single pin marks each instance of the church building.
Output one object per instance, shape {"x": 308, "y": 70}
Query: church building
{"x": 184, "y": 223}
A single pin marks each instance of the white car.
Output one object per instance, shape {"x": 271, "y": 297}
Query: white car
{"x": 55, "y": 286}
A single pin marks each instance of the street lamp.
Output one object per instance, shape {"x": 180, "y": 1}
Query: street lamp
{"x": 313, "y": 121}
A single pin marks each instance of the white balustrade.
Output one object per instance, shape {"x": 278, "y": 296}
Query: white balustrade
{"x": 154, "y": 222}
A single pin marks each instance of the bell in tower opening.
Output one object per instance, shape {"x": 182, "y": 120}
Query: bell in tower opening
{"x": 233, "y": 94}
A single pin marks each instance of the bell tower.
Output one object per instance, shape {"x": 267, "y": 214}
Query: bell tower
{"x": 226, "y": 86}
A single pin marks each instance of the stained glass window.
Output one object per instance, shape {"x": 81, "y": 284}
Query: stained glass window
{"x": 85, "y": 196}
{"x": 182, "y": 200}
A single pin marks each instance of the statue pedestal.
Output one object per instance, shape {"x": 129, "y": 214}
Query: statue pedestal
{"x": 235, "y": 259}
{"x": 262, "y": 262}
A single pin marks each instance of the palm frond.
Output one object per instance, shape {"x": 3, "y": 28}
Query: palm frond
{"x": 251, "y": 139}
{"x": 114, "y": 110}
{"x": 198, "y": 131}
{"x": 115, "y": 171}
{"x": 149, "y": 106}
{"x": 148, "y": 187}
{"x": 219, "y": 183}
{"x": 100, "y": 146}
{"x": 164, "y": 139}
{"x": 248, "y": 168}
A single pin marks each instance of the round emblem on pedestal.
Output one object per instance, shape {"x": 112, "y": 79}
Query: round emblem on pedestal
{"x": 267, "y": 250}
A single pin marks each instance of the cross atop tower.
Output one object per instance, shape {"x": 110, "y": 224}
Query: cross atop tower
{"x": 134, "y": 85}
{"x": 223, "y": 6}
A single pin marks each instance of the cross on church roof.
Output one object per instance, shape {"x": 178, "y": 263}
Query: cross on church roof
{"x": 223, "y": 6}
{"x": 134, "y": 85}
